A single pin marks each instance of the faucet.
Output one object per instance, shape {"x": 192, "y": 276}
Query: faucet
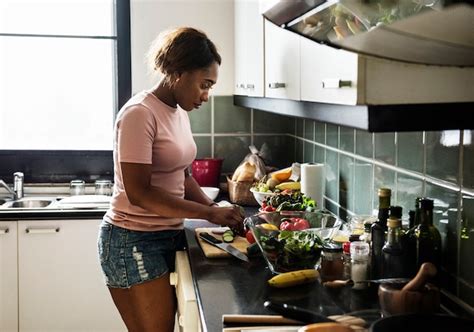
{"x": 17, "y": 191}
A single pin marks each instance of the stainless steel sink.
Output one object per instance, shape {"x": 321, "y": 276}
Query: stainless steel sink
{"x": 27, "y": 203}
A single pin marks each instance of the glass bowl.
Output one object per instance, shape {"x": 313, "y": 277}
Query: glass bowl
{"x": 260, "y": 196}
{"x": 292, "y": 250}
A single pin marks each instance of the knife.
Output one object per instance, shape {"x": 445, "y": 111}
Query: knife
{"x": 224, "y": 246}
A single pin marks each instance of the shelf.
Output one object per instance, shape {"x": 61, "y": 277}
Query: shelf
{"x": 372, "y": 118}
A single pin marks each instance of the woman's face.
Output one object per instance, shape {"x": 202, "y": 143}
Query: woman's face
{"x": 192, "y": 88}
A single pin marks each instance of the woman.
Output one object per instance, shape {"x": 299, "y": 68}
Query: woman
{"x": 153, "y": 190}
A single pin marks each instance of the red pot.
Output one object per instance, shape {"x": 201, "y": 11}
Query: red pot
{"x": 207, "y": 171}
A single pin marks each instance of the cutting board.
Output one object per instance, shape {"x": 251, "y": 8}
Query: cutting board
{"x": 213, "y": 252}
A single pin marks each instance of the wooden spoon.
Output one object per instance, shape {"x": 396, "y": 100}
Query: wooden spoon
{"x": 426, "y": 271}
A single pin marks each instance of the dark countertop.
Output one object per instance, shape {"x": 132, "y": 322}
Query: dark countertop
{"x": 231, "y": 286}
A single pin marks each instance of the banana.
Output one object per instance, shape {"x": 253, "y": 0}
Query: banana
{"x": 289, "y": 185}
{"x": 294, "y": 278}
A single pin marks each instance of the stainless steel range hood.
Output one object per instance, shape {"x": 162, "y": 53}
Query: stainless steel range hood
{"x": 416, "y": 31}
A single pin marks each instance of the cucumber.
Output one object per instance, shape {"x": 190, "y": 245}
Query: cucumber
{"x": 228, "y": 236}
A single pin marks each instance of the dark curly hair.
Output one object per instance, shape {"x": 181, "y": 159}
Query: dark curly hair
{"x": 181, "y": 50}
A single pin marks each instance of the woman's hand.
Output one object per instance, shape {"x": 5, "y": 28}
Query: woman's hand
{"x": 228, "y": 216}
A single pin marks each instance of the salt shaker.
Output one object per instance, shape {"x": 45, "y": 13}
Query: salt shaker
{"x": 359, "y": 263}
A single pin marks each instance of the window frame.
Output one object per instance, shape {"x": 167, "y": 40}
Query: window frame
{"x": 61, "y": 166}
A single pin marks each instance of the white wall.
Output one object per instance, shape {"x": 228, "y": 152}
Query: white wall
{"x": 214, "y": 17}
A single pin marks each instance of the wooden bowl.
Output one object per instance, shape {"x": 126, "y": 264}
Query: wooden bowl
{"x": 393, "y": 300}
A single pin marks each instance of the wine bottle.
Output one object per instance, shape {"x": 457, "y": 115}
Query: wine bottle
{"x": 378, "y": 230}
{"x": 428, "y": 244}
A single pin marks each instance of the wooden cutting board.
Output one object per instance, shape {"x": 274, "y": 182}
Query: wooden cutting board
{"x": 211, "y": 251}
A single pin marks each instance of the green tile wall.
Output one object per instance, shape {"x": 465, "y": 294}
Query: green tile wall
{"x": 434, "y": 164}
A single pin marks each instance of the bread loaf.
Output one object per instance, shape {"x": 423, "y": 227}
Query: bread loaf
{"x": 245, "y": 172}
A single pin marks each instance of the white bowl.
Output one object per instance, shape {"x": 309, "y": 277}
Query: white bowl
{"x": 261, "y": 196}
{"x": 211, "y": 192}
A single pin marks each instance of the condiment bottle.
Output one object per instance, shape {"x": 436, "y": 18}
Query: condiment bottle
{"x": 332, "y": 267}
{"x": 378, "y": 230}
{"x": 428, "y": 246}
{"x": 409, "y": 242}
{"x": 359, "y": 264}
{"x": 346, "y": 260}
{"x": 393, "y": 266}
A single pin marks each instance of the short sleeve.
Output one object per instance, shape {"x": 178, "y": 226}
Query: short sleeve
{"x": 136, "y": 131}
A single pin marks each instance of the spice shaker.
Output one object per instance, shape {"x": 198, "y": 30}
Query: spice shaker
{"x": 359, "y": 263}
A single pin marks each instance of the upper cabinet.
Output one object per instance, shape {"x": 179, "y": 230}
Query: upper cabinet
{"x": 248, "y": 49}
{"x": 282, "y": 63}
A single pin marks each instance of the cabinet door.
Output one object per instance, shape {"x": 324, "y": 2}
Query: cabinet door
{"x": 282, "y": 63}
{"x": 248, "y": 34}
{"x": 329, "y": 75}
{"x": 61, "y": 286}
{"x": 8, "y": 277}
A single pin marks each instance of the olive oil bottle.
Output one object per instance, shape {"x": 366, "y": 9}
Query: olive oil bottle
{"x": 393, "y": 264}
{"x": 428, "y": 239}
{"x": 378, "y": 230}
{"x": 409, "y": 241}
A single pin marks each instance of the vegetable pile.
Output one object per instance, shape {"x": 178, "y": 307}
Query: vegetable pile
{"x": 289, "y": 201}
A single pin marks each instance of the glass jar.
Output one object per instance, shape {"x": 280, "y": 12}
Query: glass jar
{"x": 103, "y": 187}
{"x": 332, "y": 267}
{"x": 77, "y": 187}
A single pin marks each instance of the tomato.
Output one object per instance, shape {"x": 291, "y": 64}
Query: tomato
{"x": 299, "y": 224}
{"x": 269, "y": 208}
{"x": 286, "y": 226}
{"x": 249, "y": 236}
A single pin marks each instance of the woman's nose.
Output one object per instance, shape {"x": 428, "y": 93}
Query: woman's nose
{"x": 205, "y": 96}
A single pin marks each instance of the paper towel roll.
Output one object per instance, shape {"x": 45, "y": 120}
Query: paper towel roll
{"x": 313, "y": 182}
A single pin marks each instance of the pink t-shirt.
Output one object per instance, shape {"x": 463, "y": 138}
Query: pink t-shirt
{"x": 147, "y": 131}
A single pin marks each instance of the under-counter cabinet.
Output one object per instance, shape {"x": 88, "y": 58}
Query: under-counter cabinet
{"x": 60, "y": 285}
{"x": 248, "y": 39}
{"x": 8, "y": 277}
{"x": 282, "y": 63}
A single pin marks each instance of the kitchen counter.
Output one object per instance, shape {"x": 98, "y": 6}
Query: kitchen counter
{"x": 231, "y": 286}
{"x": 50, "y": 214}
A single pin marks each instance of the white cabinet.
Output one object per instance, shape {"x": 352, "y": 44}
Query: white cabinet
{"x": 282, "y": 63}
{"x": 61, "y": 286}
{"x": 187, "y": 310}
{"x": 328, "y": 75}
{"x": 8, "y": 277}
{"x": 248, "y": 39}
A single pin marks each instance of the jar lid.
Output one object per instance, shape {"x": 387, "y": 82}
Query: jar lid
{"x": 332, "y": 247}
{"x": 346, "y": 246}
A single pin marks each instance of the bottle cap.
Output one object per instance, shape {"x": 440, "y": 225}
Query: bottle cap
{"x": 359, "y": 249}
{"x": 384, "y": 192}
{"x": 332, "y": 247}
{"x": 426, "y": 203}
{"x": 396, "y": 211}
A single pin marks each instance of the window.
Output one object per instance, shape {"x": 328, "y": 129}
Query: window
{"x": 64, "y": 73}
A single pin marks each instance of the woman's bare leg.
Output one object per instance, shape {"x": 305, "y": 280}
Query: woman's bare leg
{"x": 147, "y": 307}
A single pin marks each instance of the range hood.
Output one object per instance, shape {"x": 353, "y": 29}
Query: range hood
{"x": 416, "y": 31}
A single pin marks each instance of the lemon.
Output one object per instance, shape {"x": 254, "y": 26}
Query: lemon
{"x": 268, "y": 227}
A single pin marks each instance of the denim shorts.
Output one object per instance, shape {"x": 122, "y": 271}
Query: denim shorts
{"x": 130, "y": 258}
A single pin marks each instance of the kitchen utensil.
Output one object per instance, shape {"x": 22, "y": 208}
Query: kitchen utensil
{"x": 224, "y": 246}
{"x": 210, "y": 251}
{"x": 311, "y": 317}
{"x": 294, "y": 312}
{"x": 350, "y": 283}
{"x": 257, "y": 319}
{"x": 422, "y": 322}
{"x": 417, "y": 296}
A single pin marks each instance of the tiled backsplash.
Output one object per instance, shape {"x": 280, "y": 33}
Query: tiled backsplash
{"x": 434, "y": 164}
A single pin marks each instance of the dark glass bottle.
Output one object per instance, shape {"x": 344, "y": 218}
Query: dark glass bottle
{"x": 378, "y": 230}
{"x": 409, "y": 242}
{"x": 428, "y": 244}
{"x": 393, "y": 264}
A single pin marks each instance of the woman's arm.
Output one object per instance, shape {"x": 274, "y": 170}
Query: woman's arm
{"x": 136, "y": 179}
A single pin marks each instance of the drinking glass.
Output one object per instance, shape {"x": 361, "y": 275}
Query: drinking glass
{"x": 103, "y": 187}
{"x": 77, "y": 187}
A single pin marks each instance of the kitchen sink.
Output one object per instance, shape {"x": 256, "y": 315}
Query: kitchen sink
{"x": 27, "y": 203}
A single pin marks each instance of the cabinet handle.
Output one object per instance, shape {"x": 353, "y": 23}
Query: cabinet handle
{"x": 242, "y": 86}
{"x": 250, "y": 86}
{"x": 4, "y": 231}
{"x": 42, "y": 230}
{"x": 334, "y": 83}
{"x": 276, "y": 85}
